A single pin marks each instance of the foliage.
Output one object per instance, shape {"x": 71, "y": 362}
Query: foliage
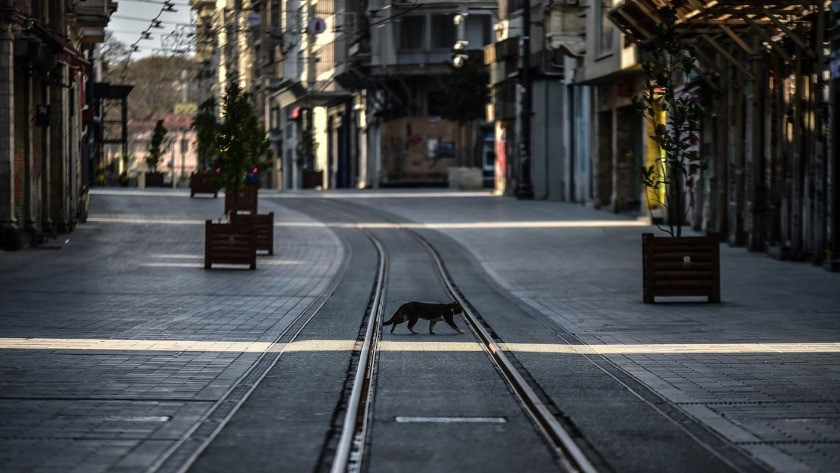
{"x": 306, "y": 147}
{"x": 157, "y": 80}
{"x": 465, "y": 92}
{"x": 240, "y": 141}
{"x": 156, "y": 146}
{"x": 205, "y": 125}
{"x": 676, "y": 139}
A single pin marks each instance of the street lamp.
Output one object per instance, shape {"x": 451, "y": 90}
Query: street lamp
{"x": 524, "y": 189}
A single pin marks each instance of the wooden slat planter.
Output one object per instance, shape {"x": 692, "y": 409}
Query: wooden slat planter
{"x": 247, "y": 199}
{"x": 204, "y": 183}
{"x": 681, "y": 266}
{"x": 154, "y": 179}
{"x": 264, "y": 227}
{"x": 312, "y": 179}
{"x": 230, "y": 243}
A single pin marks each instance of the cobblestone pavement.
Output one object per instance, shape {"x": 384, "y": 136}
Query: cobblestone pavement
{"x": 762, "y": 368}
{"x": 115, "y": 346}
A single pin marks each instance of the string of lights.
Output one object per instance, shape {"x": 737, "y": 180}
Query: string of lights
{"x": 184, "y": 38}
{"x": 166, "y": 7}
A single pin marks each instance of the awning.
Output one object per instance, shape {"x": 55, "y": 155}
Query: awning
{"x": 707, "y": 22}
{"x": 66, "y": 52}
{"x": 638, "y": 18}
{"x": 105, "y": 90}
{"x": 299, "y": 95}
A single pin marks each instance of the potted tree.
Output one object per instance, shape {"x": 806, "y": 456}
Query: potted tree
{"x": 305, "y": 149}
{"x": 674, "y": 265}
{"x": 205, "y": 180}
{"x": 153, "y": 177}
{"x": 241, "y": 144}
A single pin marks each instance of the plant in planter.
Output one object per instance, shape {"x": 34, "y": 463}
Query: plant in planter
{"x": 204, "y": 180}
{"x": 674, "y": 265}
{"x": 241, "y": 144}
{"x": 305, "y": 149}
{"x": 153, "y": 177}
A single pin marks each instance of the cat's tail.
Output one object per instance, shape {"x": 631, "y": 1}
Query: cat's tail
{"x": 392, "y": 319}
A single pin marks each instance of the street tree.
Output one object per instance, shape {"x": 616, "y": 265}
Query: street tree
{"x": 156, "y": 147}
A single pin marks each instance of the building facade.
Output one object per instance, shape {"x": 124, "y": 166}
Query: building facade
{"x": 46, "y": 80}
{"x": 351, "y": 92}
{"x": 763, "y": 78}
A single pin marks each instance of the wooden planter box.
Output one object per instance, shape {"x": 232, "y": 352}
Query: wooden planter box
{"x": 204, "y": 183}
{"x": 154, "y": 179}
{"x": 263, "y": 227}
{"x": 681, "y": 266}
{"x": 312, "y": 179}
{"x": 230, "y": 243}
{"x": 247, "y": 199}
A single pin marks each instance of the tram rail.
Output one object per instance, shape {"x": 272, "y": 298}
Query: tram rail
{"x": 351, "y": 444}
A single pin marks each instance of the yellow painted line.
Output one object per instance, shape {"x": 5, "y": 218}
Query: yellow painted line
{"x": 548, "y": 224}
{"x": 409, "y": 346}
{"x": 687, "y": 348}
{"x": 95, "y": 344}
{"x": 388, "y": 345}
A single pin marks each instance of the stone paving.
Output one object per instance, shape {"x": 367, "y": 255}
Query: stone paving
{"x": 115, "y": 346}
{"x": 762, "y": 368}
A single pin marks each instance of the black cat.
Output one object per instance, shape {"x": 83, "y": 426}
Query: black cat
{"x": 414, "y": 311}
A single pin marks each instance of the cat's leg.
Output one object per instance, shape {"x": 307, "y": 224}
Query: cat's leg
{"x": 452, "y": 324}
{"x": 432, "y": 326}
{"x": 412, "y": 321}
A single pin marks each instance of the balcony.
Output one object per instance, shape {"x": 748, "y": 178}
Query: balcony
{"x": 93, "y": 16}
{"x": 202, "y": 4}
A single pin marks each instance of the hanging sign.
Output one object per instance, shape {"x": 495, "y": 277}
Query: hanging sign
{"x": 317, "y": 26}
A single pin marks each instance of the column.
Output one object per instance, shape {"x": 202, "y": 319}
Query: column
{"x": 9, "y": 229}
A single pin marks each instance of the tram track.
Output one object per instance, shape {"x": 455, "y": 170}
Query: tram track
{"x": 350, "y": 449}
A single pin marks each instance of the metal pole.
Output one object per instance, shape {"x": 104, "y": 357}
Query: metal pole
{"x": 524, "y": 189}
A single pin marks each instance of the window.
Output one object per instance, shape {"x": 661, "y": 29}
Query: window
{"x": 479, "y": 31}
{"x": 604, "y": 40}
{"x": 413, "y": 33}
{"x": 443, "y": 31}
